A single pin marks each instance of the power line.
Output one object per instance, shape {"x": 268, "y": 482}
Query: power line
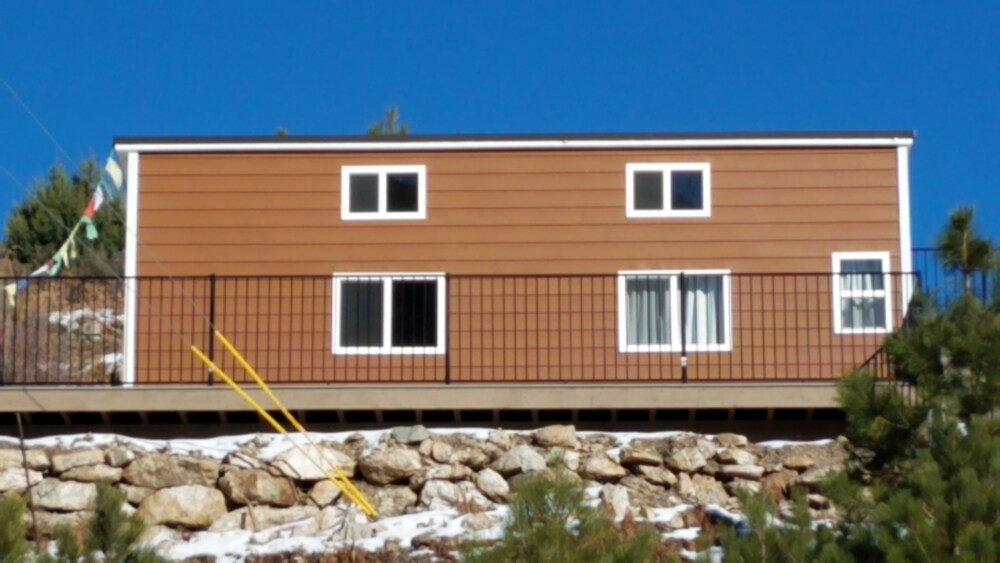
{"x": 38, "y": 122}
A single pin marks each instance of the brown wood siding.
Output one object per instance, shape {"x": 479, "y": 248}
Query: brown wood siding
{"x": 500, "y": 213}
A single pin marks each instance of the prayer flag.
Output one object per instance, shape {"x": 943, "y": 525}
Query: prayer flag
{"x": 113, "y": 171}
{"x": 95, "y": 202}
{"x": 11, "y": 291}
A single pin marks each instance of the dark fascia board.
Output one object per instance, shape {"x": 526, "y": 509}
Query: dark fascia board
{"x": 404, "y": 139}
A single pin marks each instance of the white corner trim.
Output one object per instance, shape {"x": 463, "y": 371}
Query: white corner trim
{"x": 131, "y": 267}
{"x": 905, "y": 240}
{"x": 547, "y": 144}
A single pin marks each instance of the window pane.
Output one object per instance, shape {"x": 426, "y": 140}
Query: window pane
{"x": 686, "y": 190}
{"x": 704, "y": 311}
{"x": 364, "y": 193}
{"x": 414, "y": 313}
{"x": 858, "y": 275}
{"x": 648, "y": 187}
{"x": 402, "y": 192}
{"x": 361, "y": 313}
{"x": 862, "y": 312}
{"x": 648, "y": 310}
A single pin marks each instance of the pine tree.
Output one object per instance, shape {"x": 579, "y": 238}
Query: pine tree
{"x": 963, "y": 249}
{"x": 37, "y": 226}
{"x": 924, "y": 484}
{"x": 390, "y": 126}
{"x": 550, "y": 521}
{"x": 14, "y": 546}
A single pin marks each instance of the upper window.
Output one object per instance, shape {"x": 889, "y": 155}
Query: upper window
{"x": 389, "y": 314}
{"x": 650, "y": 311}
{"x": 668, "y": 190}
{"x": 861, "y": 292}
{"x": 383, "y": 192}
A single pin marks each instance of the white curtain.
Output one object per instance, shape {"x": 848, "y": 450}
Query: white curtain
{"x": 862, "y": 289}
{"x": 648, "y": 315}
{"x": 704, "y": 321}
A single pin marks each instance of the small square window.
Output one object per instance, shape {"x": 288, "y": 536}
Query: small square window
{"x": 668, "y": 190}
{"x": 861, "y": 292}
{"x": 389, "y": 314}
{"x": 383, "y": 192}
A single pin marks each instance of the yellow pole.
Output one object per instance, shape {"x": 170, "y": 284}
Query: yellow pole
{"x": 350, "y": 491}
{"x": 288, "y": 416}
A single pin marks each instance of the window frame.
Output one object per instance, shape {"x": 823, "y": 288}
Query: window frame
{"x": 676, "y": 302}
{"x": 387, "y": 280}
{"x": 839, "y": 293}
{"x": 382, "y": 171}
{"x": 665, "y": 168}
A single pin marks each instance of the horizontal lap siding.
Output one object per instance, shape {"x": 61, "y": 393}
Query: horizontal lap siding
{"x": 513, "y": 212}
{"x": 527, "y": 212}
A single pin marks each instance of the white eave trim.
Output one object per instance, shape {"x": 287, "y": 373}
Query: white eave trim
{"x": 473, "y": 145}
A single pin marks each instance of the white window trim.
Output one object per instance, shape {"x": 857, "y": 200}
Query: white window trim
{"x": 666, "y": 168}
{"x": 675, "y": 312}
{"x": 386, "y": 348}
{"x": 838, "y": 293}
{"x": 382, "y": 215}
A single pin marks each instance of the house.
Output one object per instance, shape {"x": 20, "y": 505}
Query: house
{"x": 625, "y": 271}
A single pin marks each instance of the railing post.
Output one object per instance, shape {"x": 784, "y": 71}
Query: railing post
{"x": 211, "y": 325}
{"x": 447, "y": 329}
{"x": 684, "y": 357}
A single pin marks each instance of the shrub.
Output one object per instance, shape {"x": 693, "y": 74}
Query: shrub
{"x": 550, "y": 521}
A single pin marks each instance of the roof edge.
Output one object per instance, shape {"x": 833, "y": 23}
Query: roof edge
{"x": 512, "y": 141}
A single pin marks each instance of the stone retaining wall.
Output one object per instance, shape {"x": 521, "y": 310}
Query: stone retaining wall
{"x": 406, "y": 470}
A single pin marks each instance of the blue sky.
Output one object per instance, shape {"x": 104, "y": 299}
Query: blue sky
{"x": 94, "y": 70}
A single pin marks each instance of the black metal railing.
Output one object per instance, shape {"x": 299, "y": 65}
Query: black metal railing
{"x": 454, "y": 329}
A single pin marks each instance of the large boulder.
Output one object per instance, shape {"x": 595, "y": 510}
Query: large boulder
{"x": 194, "y": 507}
{"x": 13, "y": 479}
{"x": 254, "y": 486}
{"x": 68, "y": 460}
{"x": 560, "y": 435}
{"x": 441, "y": 495}
{"x": 701, "y": 489}
{"x": 312, "y": 463}
{"x": 640, "y": 455}
{"x": 78, "y": 523}
{"x": 601, "y": 468}
{"x": 656, "y": 475}
{"x": 736, "y": 456}
{"x": 410, "y": 434}
{"x": 119, "y": 456}
{"x": 135, "y": 494}
{"x": 390, "y": 465}
{"x": 258, "y": 518}
{"x": 615, "y": 500}
{"x": 38, "y": 460}
{"x": 687, "y": 460}
{"x": 749, "y": 472}
{"x": 324, "y": 493}
{"x": 779, "y": 484}
{"x": 64, "y": 496}
{"x": 799, "y": 462}
{"x": 159, "y": 471}
{"x": 454, "y": 472}
{"x": 492, "y": 484}
{"x": 519, "y": 459}
{"x": 642, "y": 494}
{"x": 93, "y": 473}
{"x": 728, "y": 440}
{"x": 388, "y": 501}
